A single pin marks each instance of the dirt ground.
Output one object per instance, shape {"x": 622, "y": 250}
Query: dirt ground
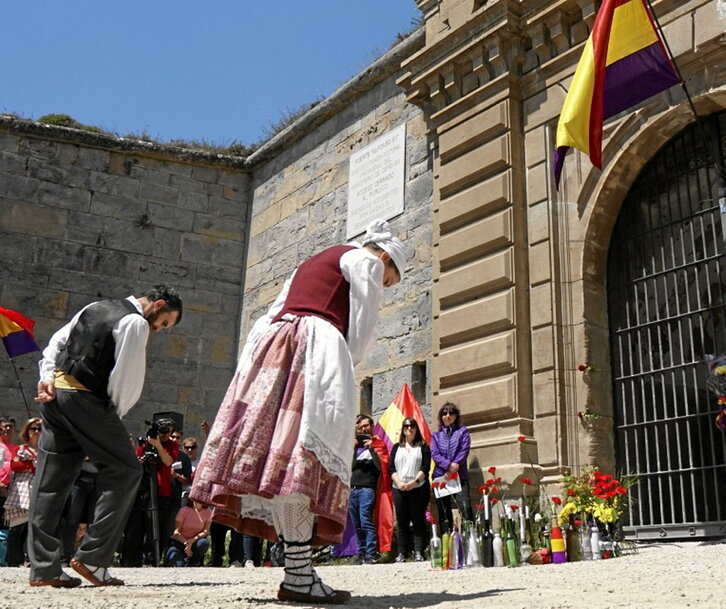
{"x": 669, "y": 575}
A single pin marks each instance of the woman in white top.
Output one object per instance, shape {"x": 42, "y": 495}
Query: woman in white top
{"x": 409, "y": 465}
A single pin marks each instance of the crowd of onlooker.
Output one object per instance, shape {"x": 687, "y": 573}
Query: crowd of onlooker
{"x": 404, "y": 471}
{"x": 164, "y": 528}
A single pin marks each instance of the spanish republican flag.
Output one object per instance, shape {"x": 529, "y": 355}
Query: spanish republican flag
{"x": 16, "y": 330}
{"x": 623, "y": 63}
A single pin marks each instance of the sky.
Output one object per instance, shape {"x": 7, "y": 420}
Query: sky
{"x": 214, "y": 71}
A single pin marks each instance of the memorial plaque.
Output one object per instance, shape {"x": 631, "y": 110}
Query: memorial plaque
{"x": 376, "y": 181}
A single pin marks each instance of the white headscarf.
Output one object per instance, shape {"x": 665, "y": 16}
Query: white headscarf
{"x": 379, "y": 232}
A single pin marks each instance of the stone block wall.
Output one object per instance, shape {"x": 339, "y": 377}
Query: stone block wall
{"x": 85, "y": 216}
{"x": 518, "y": 266}
{"x": 300, "y": 206}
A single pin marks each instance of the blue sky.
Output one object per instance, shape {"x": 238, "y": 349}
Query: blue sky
{"x": 217, "y": 71}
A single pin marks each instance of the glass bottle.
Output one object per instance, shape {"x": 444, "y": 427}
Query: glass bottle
{"x": 511, "y": 543}
{"x": 435, "y": 548}
{"x": 572, "y": 539}
{"x": 498, "y": 550}
{"x": 456, "y": 549}
{"x": 557, "y": 545}
{"x": 487, "y": 549}
{"x": 525, "y": 549}
{"x": 584, "y": 535}
{"x": 595, "y": 542}
{"x": 445, "y": 550}
{"x": 471, "y": 547}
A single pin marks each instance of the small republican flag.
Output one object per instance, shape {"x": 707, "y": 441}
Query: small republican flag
{"x": 623, "y": 63}
{"x": 16, "y": 330}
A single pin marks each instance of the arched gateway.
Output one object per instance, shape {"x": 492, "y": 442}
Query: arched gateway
{"x": 666, "y": 278}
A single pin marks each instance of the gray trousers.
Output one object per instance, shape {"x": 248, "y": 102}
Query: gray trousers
{"x": 75, "y": 425}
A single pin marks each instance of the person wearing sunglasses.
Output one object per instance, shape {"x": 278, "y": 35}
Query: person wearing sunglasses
{"x": 450, "y": 447}
{"x": 409, "y": 465}
{"x": 8, "y": 449}
{"x": 279, "y": 452}
{"x": 17, "y": 503}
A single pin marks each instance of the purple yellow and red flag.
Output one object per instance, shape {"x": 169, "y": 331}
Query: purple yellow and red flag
{"x": 16, "y": 330}
{"x": 624, "y": 62}
{"x": 404, "y": 406}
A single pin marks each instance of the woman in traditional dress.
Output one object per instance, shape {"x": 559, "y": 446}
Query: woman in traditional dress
{"x": 277, "y": 461}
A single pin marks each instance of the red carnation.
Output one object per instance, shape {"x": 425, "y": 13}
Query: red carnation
{"x": 497, "y": 480}
{"x": 521, "y": 438}
{"x": 570, "y": 492}
{"x": 493, "y": 500}
{"x": 621, "y": 490}
{"x": 514, "y": 506}
{"x": 556, "y": 500}
{"x": 526, "y": 481}
{"x": 454, "y": 476}
{"x": 492, "y": 470}
{"x": 483, "y": 489}
{"x": 582, "y": 367}
{"x": 479, "y": 506}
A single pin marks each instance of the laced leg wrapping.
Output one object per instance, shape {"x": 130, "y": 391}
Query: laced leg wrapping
{"x": 294, "y": 524}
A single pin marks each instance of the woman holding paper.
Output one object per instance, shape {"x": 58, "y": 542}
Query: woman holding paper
{"x": 409, "y": 465}
{"x": 450, "y": 449}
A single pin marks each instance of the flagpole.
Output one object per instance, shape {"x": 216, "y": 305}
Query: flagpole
{"x": 699, "y": 120}
{"x": 17, "y": 377}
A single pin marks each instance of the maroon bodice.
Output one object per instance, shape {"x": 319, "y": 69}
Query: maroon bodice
{"x": 319, "y": 289}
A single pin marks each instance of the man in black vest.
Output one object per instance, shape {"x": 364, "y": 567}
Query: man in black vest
{"x": 91, "y": 374}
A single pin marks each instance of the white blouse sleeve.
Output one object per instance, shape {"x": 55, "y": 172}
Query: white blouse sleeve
{"x": 126, "y": 381}
{"x": 364, "y": 272}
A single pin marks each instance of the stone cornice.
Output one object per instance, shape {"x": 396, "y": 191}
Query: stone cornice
{"x": 111, "y": 143}
{"x": 499, "y": 38}
{"x": 529, "y": 39}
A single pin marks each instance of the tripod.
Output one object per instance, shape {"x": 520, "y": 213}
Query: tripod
{"x": 150, "y": 465}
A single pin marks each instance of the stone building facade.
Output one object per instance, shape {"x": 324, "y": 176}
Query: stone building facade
{"x": 86, "y": 216}
{"x": 300, "y": 194}
{"x": 520, "y": 269}
{"x": 510, "y": 283}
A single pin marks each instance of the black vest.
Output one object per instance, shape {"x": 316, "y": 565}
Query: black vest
{"x": 89, "y": 354}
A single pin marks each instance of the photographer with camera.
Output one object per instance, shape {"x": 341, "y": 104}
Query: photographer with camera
{"x": 151, "y": 521}
{"x": 370, "y": 461}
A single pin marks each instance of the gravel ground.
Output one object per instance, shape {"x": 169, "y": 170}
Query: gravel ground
{"x": 669, "y": 575}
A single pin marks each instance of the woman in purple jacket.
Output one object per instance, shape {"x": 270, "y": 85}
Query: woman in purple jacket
{"x": 450, "y": 450}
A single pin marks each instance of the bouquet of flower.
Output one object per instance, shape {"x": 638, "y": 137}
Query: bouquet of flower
{"x": 599, "y": 495}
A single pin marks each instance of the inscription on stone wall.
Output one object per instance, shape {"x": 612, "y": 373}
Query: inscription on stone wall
{"x": 375, "y": 181}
